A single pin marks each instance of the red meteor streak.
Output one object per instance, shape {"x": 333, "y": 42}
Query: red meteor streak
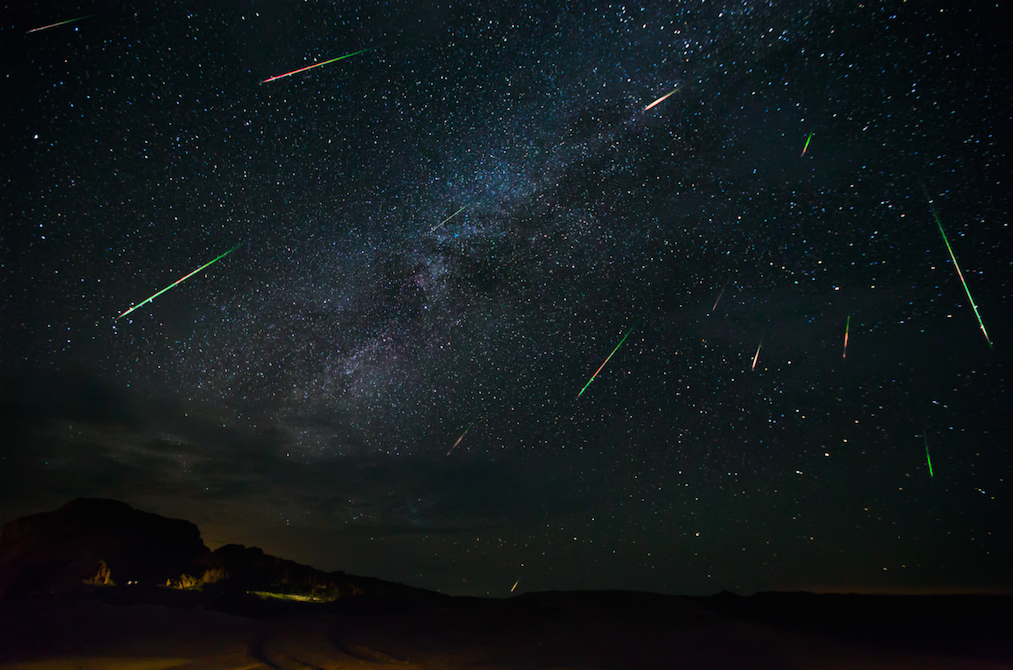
{"x": 61, "y": 23}
{"x": 607, "y": 359}
{"x": 310, "y": 67}
{"x": 847, "y": 327}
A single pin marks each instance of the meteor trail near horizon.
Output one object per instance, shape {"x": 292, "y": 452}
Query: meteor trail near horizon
{"x": 662, "y": 98}
{"x": 806, "y": 143}
{"x": 141, "y": 304}
{"x": 959, "y": 273}
{"x": 310, "y": 67}
{"x": 462, "y": 436}
{"x": 927, "y": 457}
{"x": 440, "y": 225}
{"x": 515, "y": 585}
{"x": 607, "y": 359}
{"x": 61, "y": 23}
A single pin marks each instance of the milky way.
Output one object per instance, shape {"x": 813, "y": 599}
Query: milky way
{"x": 444, "y": 237}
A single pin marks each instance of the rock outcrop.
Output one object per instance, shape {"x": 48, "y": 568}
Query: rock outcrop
{"x": 102, "y": 576}
{"x": 249, "y": 569}
{"x": 90, "y": 543}
{"x": 200, "y": 580}
{"x": 94, "y": 541}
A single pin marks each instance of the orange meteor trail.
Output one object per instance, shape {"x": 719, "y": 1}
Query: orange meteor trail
{"x": 310, "y": 67}
{"x": 515, "y": 585}
{"x": 847, "y": 326}
{"x": 462, "y": 437}
{"x": 757, "y": 356}
{"x": 661, "y": 99}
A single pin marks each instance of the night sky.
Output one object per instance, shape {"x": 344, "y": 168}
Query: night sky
{"x": 305, "y": 392}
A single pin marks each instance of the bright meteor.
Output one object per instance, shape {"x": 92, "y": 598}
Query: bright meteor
{"x": 807, "y": 143}
{"x": 959, "y": 273}
{"x": 141, "y": 304}
{"x": 661, "y": 99}
{"x": 310, "y": 67}
{"x": 757, "y": 356}
{"x": 61, "y": 23}
{"x": 606, "y": 360}
{"x": 927, "y": 457}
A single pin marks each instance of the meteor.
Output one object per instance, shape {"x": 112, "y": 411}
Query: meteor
{"x": 607, "y": 359}
{"x": 721, "y": 293}
{"x": 847, "y": 326}
{"x": 927, "y": 457}
{"x": 462, "y": 436}
{"x": 757, "y": 356}
{"x": 515, "y": 585}
{"x": 448, "y": 219}
{"x": 141, "y": 304}
{"x": 61, "y": 23}
{"x": 807, "y": 143}
{"x": 959, "y": 273}
{"x": 661, "y": 99}
{"x": 310, "y": 67}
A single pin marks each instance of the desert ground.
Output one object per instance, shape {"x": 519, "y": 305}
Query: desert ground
{"x": 120, "y": 629}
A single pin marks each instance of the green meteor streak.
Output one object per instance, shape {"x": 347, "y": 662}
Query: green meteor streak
{"x": 61, "y": 23}
{"x": 807, "y": 143}
{"x": 607, "y": 359}
{"x": 959, "y": 273}
{"x": 310, "y": 67}
{"x": 440, "y": 225}
{"x": 141, "y": 304}
{"x": 927, "y": 457}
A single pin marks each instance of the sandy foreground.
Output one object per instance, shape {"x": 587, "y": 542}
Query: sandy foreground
{"x": 545, "y": 631}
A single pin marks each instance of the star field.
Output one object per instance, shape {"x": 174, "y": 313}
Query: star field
{"x": 443, "y": 237}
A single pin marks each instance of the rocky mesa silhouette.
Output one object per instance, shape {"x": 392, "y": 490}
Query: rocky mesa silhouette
{"x": 95, "y": 542}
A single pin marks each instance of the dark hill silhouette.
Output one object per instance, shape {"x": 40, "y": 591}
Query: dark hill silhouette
{"x": 98, "y": 584}
{"x": 93, "y": 541}
{"x": 90, "y": 543}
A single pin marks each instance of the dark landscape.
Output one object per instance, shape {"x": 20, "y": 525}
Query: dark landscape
{"x": 97, "y": 584}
